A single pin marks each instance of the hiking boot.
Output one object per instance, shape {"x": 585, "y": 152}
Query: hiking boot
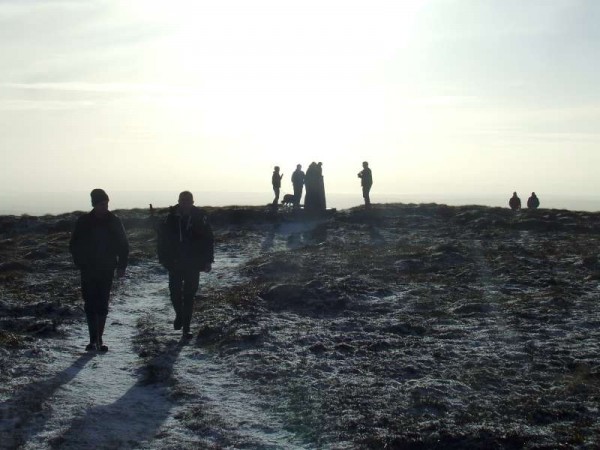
{"x": 186, "y": 333}
{"x": 103, "y": 348}
{"x": 90, "y": 347}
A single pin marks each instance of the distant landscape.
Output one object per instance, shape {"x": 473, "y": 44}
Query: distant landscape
{"x": 40, "y": 203}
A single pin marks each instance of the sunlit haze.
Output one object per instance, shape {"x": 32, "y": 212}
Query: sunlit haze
{"x": 444, "y": 98}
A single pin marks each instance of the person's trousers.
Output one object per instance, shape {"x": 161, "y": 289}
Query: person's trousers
{"x": 183, "y": 285}
{"x": 95, "y": 290}
{"x": 276, "y": 192}
{"x": 366, "y": 190}
{"x": 297, "y": 194}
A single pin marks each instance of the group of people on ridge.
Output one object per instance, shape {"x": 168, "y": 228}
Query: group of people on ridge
{"x": 314, "y": 200}
{"x": 185, "y": 247}
{"x": 99, "y": 245}
{"x": 533, "y": 202}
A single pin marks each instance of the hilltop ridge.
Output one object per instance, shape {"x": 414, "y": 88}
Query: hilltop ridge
{"x": 406, "y": 326}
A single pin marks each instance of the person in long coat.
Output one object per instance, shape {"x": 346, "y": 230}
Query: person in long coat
{"x": 321, "y": 187}
{"x": 311, "y": 183}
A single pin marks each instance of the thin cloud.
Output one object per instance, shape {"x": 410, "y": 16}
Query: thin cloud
{"x": 100, "y": 87}
{"x": 43, "y": 105}
{"x": 445, "y": 100}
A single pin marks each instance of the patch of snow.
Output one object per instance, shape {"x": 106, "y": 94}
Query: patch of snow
{"x": 93, "y": 400}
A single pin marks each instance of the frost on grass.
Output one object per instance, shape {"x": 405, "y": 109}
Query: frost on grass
{"x": 423, "y": 327}
{"x": 407, "y": 326}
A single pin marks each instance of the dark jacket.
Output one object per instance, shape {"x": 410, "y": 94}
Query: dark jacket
{"x": 366, "y": 177}
{"x": 185, "y": 241}
{"x": 276, "y": 180}
{"x": 99, "y": 243}
{"x": 298, "y": 178}
{"x": 533, "y": 202}
{"x": 515, "y": 203}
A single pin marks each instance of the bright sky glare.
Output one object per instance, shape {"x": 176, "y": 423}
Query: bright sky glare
{"x": 440, "y": 96}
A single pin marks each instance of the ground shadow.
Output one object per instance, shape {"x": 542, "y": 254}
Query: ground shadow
{"x": 27, "y": 404}
{"x": 136, "y": 416}
{"x": 376, "y": 236}
{"x": 269, "y": 240}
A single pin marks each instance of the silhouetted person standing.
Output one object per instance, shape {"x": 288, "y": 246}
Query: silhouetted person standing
{"x": 298, "y": 183}
{"x": 185, "y": 248}
{"x": 276, "y": 181}
{"x": 314, "y": 200}
{"x": 321, "y": 187}
{"x": 533, "y": 202}
{"x": 366, "y": 181}
{"x": 99, "y": 246}
{"x": 514, "y": 202}
{"x": 312, "y": 187}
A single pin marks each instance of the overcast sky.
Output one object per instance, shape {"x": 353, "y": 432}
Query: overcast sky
{"x": 440, "y": 96}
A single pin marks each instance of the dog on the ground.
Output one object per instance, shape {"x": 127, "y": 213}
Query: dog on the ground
{"x": 288, "y": 200}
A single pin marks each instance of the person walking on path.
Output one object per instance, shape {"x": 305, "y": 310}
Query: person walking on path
{"x": 276, "y": 182}
{"x": 298, "y": 183}
{"x": 99, "y": 246}
{"x": 514, "y": 202}
{"x": 533, "y": 202}
{"x": 366, "y": 181}
{"x": 185, "y": 248}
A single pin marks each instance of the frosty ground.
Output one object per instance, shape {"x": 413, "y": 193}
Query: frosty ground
{"x": 407, "y": 326}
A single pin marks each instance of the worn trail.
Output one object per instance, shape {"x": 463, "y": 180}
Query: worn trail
{"x": 114, "y": 400}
